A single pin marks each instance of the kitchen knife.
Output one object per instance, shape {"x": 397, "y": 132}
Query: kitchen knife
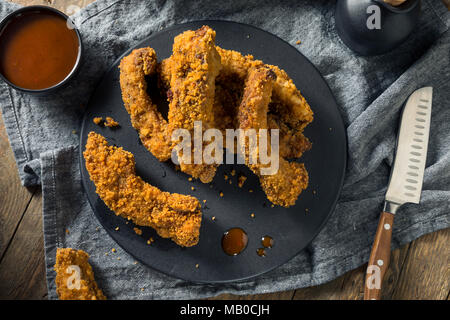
{"x": 405, "y": 183}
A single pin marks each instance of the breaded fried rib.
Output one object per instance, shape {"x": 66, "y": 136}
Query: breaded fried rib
{"x": 283, "y": 187}
{"x": 153, "y": 129}
{"x": 74, "y": 276}
{"x": 112, "y": 170}
{"x": 194, "y": 66}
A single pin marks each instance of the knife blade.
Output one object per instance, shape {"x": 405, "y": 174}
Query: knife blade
{"x": 405, "y": 183}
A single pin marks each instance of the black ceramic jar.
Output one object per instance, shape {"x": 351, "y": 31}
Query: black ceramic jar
{"x": 373, "y": 27}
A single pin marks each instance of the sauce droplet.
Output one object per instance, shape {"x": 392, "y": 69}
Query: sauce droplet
{"x": 234, "y": 241}
{"x": 267, "y": 241}
{"x": 261, "y": 252}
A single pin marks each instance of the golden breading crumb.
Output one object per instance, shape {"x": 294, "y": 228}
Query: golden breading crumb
{"x": 113, "y": 172}
{"x": 98, "y": 120}
{"x": 74, "y": 276}
{"x": 221, "y": 194}
{"x": 111, "y": 123}
{"x": 113, "y": 250}
{"x": 298, "y": 42}
{"x": 241, "y": 181}
{"x": 138, "y": 231}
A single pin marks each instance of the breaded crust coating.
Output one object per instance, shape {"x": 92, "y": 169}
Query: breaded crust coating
{"x": 112, "y": 170}
{"x": 194, "y": 67}
{"x": 283, "y": 187}
{"x": 153, "y": 129}
{"x": 69, "y": 278}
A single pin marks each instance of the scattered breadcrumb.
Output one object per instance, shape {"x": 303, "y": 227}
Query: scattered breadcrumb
{"x": 117, "y": 229}
{"x": 118, "y": 258}
{"x": 314, "y": 192}
{"x": 111, "y": 123}
{"x": 106, "y": 253}
{"x": 197, "y": 265}
{"x": 251, "y": 190}
{"x": 113, "y": 250}
{"x": 142, "y": 289}
{"x": 226, "y": 177}
{"x": 135, "y": 262}
{"x": 150, "y": 241}
{"x": 67, "y": 231}
{"x": 221, "y": 194}
{"x": 252, "y": 215}
{"x": 213, "y": 218}
{"x": 192, "y": 188}
{"x": 138, "y": 231}
{"x": 298, "y": 42}
{"x": 273, "y": 206}
{"x": 98, "y": 228}
{"x": 74, "y": 276}
{"x": 230, "y": 182}
{"x": 241, "y": 181}
{"x": 98, "y": 120}
{"x": 189, "y": 179}
{"x": 233, "y": 172}
{"x": 306, "y": 210}
{"x": 204, "y": 201}
{"x": 74, "y": 131}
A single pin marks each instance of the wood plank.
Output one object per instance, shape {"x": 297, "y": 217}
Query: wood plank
{"x": 13, "y": 197}
{"x": 426, "y": 273}
{"x": 22, "y": 271}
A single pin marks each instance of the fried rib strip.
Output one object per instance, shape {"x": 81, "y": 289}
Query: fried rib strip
{"x": 283, "y": 187}
{"x": 288, "y": 111}
{"x": 153, "y": 129}
{"x": 112, "y": 170}
{"x": 66, "y": 275}
{"x": 194, "y": 66}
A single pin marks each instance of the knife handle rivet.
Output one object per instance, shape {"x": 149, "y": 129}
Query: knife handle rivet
{"x": 387, "y": 226}
{"x": 380, "y": 262}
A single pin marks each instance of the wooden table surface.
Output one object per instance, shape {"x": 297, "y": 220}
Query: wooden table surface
{"x": 419, "y": 270}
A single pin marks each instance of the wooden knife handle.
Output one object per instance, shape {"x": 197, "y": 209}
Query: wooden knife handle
{"x": 379, "y": 257}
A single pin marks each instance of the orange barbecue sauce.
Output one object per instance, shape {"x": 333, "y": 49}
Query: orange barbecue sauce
{"x": 37, "y": 50}
{"x": 234, "y": 241}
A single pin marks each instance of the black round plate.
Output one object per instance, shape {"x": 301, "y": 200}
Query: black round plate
{"x": 292, "y": 229}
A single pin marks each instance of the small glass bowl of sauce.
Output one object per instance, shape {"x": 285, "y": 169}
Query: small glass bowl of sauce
{"x": 40, "y": 51}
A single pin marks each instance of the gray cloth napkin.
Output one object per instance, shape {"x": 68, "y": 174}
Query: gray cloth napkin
{"x": 44, "y": 134}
